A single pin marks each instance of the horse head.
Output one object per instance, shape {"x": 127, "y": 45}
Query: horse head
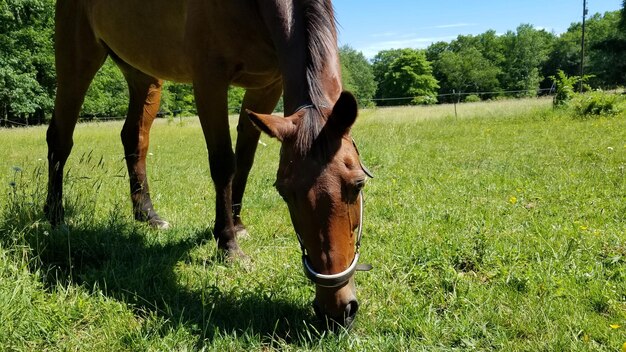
{"x": 322, "y": 188}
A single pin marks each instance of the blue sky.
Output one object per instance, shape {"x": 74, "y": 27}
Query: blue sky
{"x": 373, "y": 25}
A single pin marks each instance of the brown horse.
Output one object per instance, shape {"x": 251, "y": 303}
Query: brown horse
{"x": 265, "y": 46}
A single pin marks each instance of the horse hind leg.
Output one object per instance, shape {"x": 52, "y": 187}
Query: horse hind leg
{"x": 262, "y": 101}
{"x": 143, "y": 106}
{"x": 78, "y": 56}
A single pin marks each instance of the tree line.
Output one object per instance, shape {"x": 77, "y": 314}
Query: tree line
{"x": 520, "y": 61}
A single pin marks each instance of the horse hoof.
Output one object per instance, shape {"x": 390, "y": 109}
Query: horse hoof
{"x": 230, "y": 251}
{"x": 54, "y": 215}
{"x": 231, "y": 257}
{"x": 242, "y": 233}
{"x": 159, "y": 224}
{"x": 236, "y": 255}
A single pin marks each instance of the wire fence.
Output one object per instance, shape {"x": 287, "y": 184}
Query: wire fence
{"x": 538, "y": 92}
{"x": 457, "y": 97}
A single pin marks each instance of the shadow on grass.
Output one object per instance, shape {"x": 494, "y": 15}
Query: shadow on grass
{"x": 116, "y": 258}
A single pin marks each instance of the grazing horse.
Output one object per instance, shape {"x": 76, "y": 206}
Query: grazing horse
{"x": 265, "y": 46}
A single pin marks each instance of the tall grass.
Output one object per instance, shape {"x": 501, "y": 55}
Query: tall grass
{"x": 500, "y": 229}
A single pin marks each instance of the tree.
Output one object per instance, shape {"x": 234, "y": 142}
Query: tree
{"x": 178, "y": 99}
{"x": 435, "y": 50}
{"x": 622, "y": 17}
{"x": 467, "y": 71}
{"x": 380, "y": 65}
{"x": 26, "y": 59}
{"x": 526, "y": 50}
{"x": 357, "y": 75}
{"x": 491, "y": 46}
{"x": 565, "y": 54}
{"x": 235, "y": 99}
{"x": 467, "y": 64}
{"x": 404, "y": 73}
{"x": 107, "y": 95}
{"x": 605, "y": 51}
{"x": 607, "y": 45}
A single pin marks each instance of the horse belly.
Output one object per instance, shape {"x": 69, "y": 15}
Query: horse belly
{"x": 151, "y": 36}
{"x": 147, "y": 35}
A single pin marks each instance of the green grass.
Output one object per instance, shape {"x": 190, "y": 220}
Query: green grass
{"x": 501, "y": 229}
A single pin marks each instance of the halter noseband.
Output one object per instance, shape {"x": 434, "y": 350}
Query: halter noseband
{"x": 339, "y": 279}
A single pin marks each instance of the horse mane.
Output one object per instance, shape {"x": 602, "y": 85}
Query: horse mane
{"x": 321, "y": 37}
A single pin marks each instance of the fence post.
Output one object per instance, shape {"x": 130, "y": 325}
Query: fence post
{"x": 456, "y": 116}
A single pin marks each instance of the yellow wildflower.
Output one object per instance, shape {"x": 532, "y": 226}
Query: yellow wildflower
{"x": 615, "y": 326}
{"x": 513, "y": 200}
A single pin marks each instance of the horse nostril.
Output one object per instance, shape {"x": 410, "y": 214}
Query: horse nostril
{"x": 351, "y": 309}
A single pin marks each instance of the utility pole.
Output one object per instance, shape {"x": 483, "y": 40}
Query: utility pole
{"x": 582, "y": 46}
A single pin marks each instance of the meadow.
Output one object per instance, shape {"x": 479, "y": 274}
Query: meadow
{"x": 503, "y": 228}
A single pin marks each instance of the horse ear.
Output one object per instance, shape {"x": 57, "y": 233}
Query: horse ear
{"x": 274, "y": 126}
{"x": 344, "y": 114}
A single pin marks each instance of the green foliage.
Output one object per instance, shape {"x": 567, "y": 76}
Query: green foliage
{"x": 435, "y": 50}
{"x": 178, "y": 99}
{"x": 607, "y": 44}
{"x": 26, "y": 58}
{"x": 472, "y": 98}
{"x": 622, "y": 16}
{"x": 605, "y": 49}
{"x": 466, "y": 71}
{"x": 235, "y": 99}
{"x": 107, "y": 95}
{"x": 525, "y": 51}
{"x": 492, "y": 63}
{"x": 565, "y": 55}
{"x": 407, "y": 74}
{"x": 565, "y": 87}
{"x": 597, "y": 103}
{"x": 357, "y": 75}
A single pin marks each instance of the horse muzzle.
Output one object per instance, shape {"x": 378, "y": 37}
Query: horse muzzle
{"x": 334, "y": 322}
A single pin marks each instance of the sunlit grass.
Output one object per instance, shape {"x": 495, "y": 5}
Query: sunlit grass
{"x": 487, "y": 109}
{"x": 500, "y": 229}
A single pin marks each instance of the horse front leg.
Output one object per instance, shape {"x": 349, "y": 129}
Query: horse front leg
{"x": 78, "y": 57}
{"x": 262, "y": 101}
{"x": 212, "y": 104}
{"x": 145, "y": 98}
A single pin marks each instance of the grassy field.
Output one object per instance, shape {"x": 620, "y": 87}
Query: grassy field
{"x": 501, "y": 229}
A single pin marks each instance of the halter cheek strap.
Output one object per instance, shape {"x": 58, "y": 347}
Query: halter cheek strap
{"x": 339, "y": 279}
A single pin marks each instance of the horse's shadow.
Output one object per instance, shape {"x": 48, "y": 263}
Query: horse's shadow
{"x": 117, "y": 259}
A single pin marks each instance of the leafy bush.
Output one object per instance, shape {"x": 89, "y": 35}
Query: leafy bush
{"x": 472, "y": 98}
{"x": 596, "y": 103}
{"x": 565, "y": 87}
{"x": 424, "y": 100}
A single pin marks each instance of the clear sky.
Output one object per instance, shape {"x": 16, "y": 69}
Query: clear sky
{"x": 373, "y": 25}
